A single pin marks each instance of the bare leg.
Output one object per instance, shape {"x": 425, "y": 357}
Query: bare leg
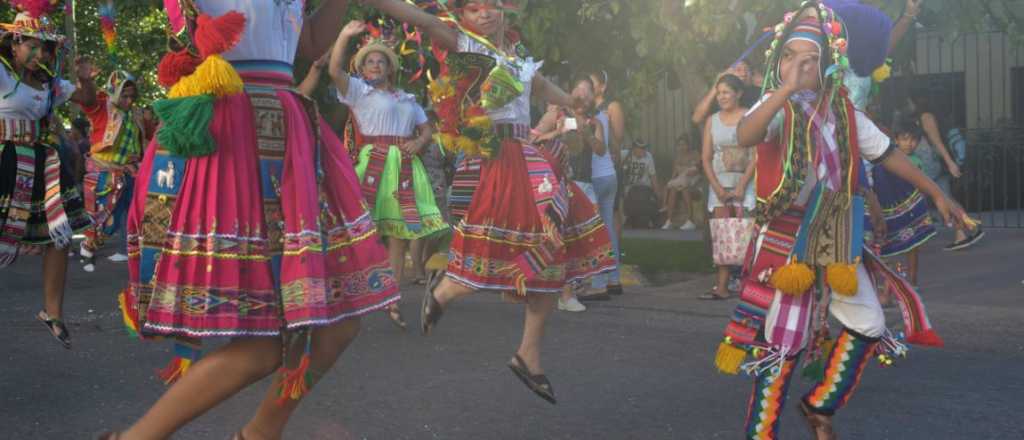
{"x": 327, "y": 345}
{"x": 538, "y": 307}
{"x": 209, "y": 382}
{"x": 567, "y": 293}
{"x": 55, "y": 267}
{"x": 688, "y": 203}
{"x": 396, "y": 255}
{"x": 912, "y": 266}
{"x": 448, "y": 291}
{"x": 419, "y": 255}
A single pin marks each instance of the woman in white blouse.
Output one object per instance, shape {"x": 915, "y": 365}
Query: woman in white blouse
{"x": 395, "y": 184}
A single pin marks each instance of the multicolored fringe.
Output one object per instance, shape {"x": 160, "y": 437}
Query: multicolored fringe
{"x": 19, "y": 205}
{"x": 767, "y": 400}
{"x": 917, "y": 327}
{"x": 374, "y": 171}
{"x": 407, "y": 196}
{"x": 185, "y": 354}
{"x": 843, "y": 370}
{"x": 295, "y": 382}
{"x": 56, "y": 218}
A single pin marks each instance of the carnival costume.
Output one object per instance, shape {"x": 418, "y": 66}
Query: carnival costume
{"x": 39, "y": 202}
{"x": 395, "y": 184}
{"x": 808, "y": 258}
{"x": 117, "y": 140}
{"x": 247, "y": 218}
{"x": 520, "y": 225}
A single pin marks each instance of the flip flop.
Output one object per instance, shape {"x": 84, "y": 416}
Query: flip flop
{"x": 538, "y": 383}
{"x": 430, "y": 309}
{"x": 56, "y": 328}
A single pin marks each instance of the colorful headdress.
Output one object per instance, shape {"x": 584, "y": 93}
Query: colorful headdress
{"x": 378, "y": 42}
{"x": 868, "y": 30}
{"x": 812, "y": 22}
{"x": 28, "y": 24}
{"x": 116, "y": 83}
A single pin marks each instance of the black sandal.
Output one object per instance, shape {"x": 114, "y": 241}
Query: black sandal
{"x": 430, "y": 309}
{"x": 538, "y": 383}
{"x": 395, "y": 314}
{"x": 56, "y": 328}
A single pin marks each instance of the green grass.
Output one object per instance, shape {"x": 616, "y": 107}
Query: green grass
{"x": 653, "y": 256}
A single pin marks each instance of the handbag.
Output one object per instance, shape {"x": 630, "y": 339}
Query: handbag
{"x": 730, "y": 238}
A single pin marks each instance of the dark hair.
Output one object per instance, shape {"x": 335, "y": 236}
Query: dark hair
{"x": 909, "y": 126}
{"x": 921, "y": 99}
{"x": 81, "y": 125}
{"x": 7, "y": 53}
{"x": 684, "y": 138}
{"x": 734, "y": 82}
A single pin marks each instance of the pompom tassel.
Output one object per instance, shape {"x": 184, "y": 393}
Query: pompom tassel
{"x": 174, "y": 66}
{"x": 296, "y": 382}
{"x": 218, "y": 35}
{"x": 842, "y": 278}
{"x": 927, "y": 338}
{"x": 184, "y": 356}
{"x": 129, "y": 313}
{"x": 186, "y": 125}
{"x": 729, "y": 357}
{"x": 214, "y": 76}
{"x": 794, "y": 278}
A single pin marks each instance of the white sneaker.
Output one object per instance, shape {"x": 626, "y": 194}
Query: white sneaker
{"x": 688, "y": 226}
{"x": 89, "y": 267}
{"x": 85, "y": 253}
{"x": 572, "y": 305}
{"x": 118, "y": 258}
{"x": 667, "y": 226}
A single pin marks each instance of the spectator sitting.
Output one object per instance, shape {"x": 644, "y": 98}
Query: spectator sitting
{"x": 641, "y": 199}
{"x": 685, "y": 177}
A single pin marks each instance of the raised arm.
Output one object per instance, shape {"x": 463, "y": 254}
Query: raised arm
{"x": 437, "y": 30}
{"x": 336, "y": 65}
{"x": 316, "y": 71}
{"x": 899, "y": 30}
{"x": 321, "y": 28}
{"x": 800, "y": 74}
{"x": 85, "y": 91}
{"x": 548, "y": 91}
{"x": 703, "y": 110}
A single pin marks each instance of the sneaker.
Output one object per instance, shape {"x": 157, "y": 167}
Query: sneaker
{"x": 89, "y": 267}
{"x": 688, "y": 226}
{"x": 572, "y": 305}
{"x": 667, "y": 225}
{"x": 118, "y": 258}
{"x": 966, "y": 242}
{"x": 85, "y": 253}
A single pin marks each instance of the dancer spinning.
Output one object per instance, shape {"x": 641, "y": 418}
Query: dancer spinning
{"x": 520, "y": 232}
{"x": 811, "y": 220}
{"x": 116, "y": 139}
{"x": 40, "y": 208}
{"x": 395, "y": 184}
{"x": 247, "y": 221}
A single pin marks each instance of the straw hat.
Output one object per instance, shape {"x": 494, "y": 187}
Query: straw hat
{"x": 377, "y": 46}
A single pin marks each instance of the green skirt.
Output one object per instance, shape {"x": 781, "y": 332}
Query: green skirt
{"x": 386, "y": 209}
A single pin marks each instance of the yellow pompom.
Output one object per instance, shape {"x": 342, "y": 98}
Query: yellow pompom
{"x": 842, "y": 278}
{"x": 214, "y": 76}
{"x": 881, "y": 73}
{"x": 729, "y": 357}
{"x": 793, "y": 279}
{"x": 482, "y": 122}
{"x": 467, "y": 145}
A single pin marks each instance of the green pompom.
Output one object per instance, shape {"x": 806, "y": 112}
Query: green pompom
{"x": 186, "y": 125}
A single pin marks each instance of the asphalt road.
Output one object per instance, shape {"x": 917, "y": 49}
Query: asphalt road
{"x": 638, "y": 367}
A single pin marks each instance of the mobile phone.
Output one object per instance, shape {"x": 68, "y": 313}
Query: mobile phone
{"x": 570, "y": 124}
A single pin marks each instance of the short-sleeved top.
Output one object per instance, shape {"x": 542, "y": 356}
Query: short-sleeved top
{"x": 272, "y": 28}
{"x": 517, "y": 111}
{"x": 873, "y": 143}
{"x": 28, "y": 103}
{"x": 381, "y": 112}
{"x": 638, "y": 171}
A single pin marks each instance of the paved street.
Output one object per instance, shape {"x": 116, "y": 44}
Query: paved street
{"x": 638, "y": 367}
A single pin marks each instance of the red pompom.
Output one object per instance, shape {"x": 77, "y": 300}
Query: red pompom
{"x": 175, "y": 65}
{"x": 218, "y": 35}
{"x": 35, "y": 8}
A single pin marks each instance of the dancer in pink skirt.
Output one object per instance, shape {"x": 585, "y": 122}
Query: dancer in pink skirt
{"x": 247, "y": 219}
